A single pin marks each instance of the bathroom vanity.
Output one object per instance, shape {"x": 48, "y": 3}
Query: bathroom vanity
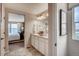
{"x": 39, "y": 37}
{"x": 40, "y": 43}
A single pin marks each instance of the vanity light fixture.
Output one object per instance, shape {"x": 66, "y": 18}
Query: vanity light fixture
{"x": 43, "y": 16}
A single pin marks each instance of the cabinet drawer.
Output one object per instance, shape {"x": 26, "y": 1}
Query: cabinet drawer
{"x": 37, "y": 47}
{"x": 40, "y": 44}
{"x": 46, "y": 41}
{"x": 41, "y": 39}
{"x": 32, "y": 40}
{"x": 32, "y": 43}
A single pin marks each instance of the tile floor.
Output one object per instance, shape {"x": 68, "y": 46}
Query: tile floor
{"x": 17, "y": 49}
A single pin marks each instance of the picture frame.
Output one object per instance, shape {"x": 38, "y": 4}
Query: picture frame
{"x": 63, "y": 23}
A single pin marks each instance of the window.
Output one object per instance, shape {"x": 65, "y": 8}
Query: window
{"x": 13, "y": 28}
{"x": 76, "y": 22}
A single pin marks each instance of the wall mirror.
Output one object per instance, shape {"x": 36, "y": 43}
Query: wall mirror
{"x": 62, "y": 22}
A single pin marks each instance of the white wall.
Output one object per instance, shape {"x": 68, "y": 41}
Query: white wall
{"x": 29, "y": 28}
{"x": 3, "y": 20}
{"x": 2, "y": 31}
{"x": 61, "y": 40}
{"x": 73, "y": 45}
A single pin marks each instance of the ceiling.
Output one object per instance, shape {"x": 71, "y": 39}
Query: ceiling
{"x": 34, "y": 8}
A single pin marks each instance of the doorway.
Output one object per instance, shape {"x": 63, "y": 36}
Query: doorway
{"x": 15, "y": 30}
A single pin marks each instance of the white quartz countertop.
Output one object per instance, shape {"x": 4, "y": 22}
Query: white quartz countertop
{"x": 44, "y": 36}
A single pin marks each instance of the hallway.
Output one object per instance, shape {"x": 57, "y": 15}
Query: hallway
{"x": 17, "y": 49}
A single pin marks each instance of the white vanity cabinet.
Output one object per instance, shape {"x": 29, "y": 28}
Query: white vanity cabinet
{"x": 40, "y": 43}
{"x": 36, "y": 42}
{"x": 32, "y": 40}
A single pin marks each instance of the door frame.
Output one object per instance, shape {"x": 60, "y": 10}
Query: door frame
{"x": 52, "y": 29}
{"x": 0, "y": 24}
{"x": 7, "y": 10}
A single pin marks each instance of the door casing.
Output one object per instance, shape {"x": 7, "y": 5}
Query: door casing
{"x": 6, "y": 26}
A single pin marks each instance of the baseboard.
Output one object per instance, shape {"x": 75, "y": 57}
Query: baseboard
{"x": 15, "y": 41}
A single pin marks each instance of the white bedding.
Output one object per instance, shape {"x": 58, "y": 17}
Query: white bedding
{"x": 14, "y": 37}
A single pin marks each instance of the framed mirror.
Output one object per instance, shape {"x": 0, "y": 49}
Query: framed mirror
{"x": 62, "y": 22}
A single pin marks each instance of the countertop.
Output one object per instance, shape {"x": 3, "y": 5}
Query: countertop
{"x": 44, "y": 36}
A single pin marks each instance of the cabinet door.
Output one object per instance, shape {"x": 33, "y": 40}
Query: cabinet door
{"x": 32, "y": 40}
{"x": 41, "y": 45}
{"x": 46, "y": 47}
{"x": 36, "y": 43}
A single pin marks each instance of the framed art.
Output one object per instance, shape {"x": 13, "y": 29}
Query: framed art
{"x": 62, "y": 22}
